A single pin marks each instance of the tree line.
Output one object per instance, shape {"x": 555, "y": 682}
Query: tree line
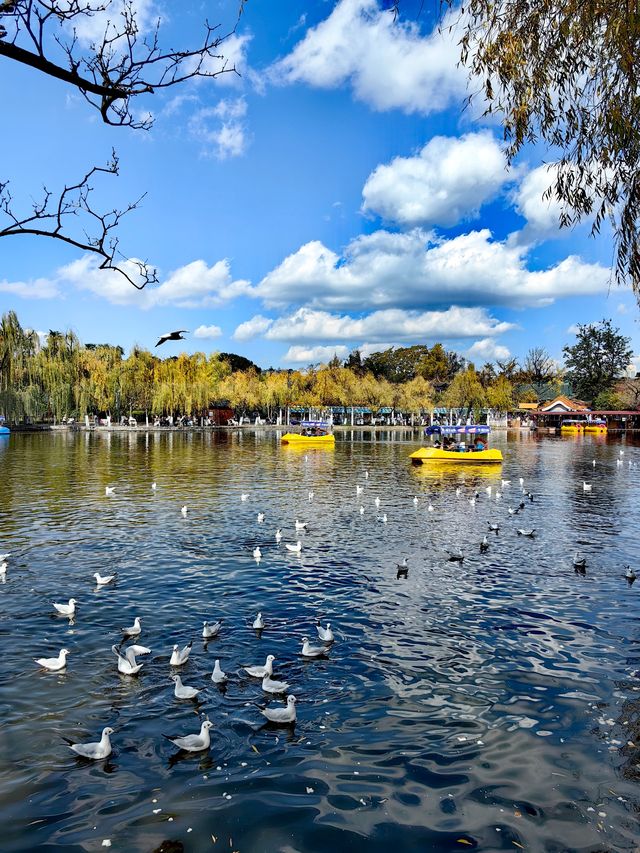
{"x": 61, "y": 377}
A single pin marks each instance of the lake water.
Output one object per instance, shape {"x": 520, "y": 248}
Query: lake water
{"x": 491, "y": 704}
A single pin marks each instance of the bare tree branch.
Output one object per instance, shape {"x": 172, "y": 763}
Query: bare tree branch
{"x": 114, "y": 69}
{"x": 70, "y": 217}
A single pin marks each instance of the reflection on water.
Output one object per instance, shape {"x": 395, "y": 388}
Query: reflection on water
{"x": 490, "y": 703}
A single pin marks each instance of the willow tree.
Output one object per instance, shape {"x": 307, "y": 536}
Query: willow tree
{"x": 565, "y": 72}
{"x": 465, "y": 391}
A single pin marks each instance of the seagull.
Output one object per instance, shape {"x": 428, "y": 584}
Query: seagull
{"x": 472, "y": 501}
{"x": 283, "y": 716}
{"x": 3, "y": 569}
{"x": 361, "y": 510}
{"x": 484, "y": 545}
{"x": 415, "y": 501}
{"x": 54, "y": 664}
{"x": 271, "y": 686}
{"x": 383, "y": 518}
{"x": 109, "y": 490}
{"x": 295, "y": 548}
{"x": 66, "y": 609}
{"x": 619, "y": 463}
{"x": 4, "y": 557}
{"x": 377, "y": 503}
{"x": 261, "y": 671}
{"x": 530, "y": 496}
{"x": 359, "y": 490}
{"x": 104, "y": 580}
{"x": 506, "y": 483}
{"x": 244, "y": 496}
{"x": 593, "y": 462}
{"x": 278, "y": 536}
{"x": 301, "y": 525}
{"x": 310, "y": 496}
{"x": 530, "y": 532}
{"x": 184, "y": 510}
{"x": 325, "y": 634}
{"x": 366, "y": 475}
{"x": 521, "y": 481}
{"x": 402, "y": 569}
{"x": 498, "y": 496}
{"x": 218, "y": 676}
{"x": 488, "y": 490}
{"x": 180, "y": 656}
{"x": 513, "y": 511}
{"x": 94, "y": 751}
{"x": 458, "y": 492}
{"x": 622, "y": 453}
{"x": 586, "y": 487}
{"x": 579, "y": 564}
{"x": 258, "y": 622}
{"x": 172, "y": 336}
{"x": 154, "y": 486}
{"x": 209, "y": 631}
{"x": 309, "y": 651}
{"x": 494, "y": 526}
{"x": 257, "y": 553}
{"x": 430, "y": 508}
{"x": 127, "y": 664}
{"x": 182, "y": 691}
{"x": 193, "y": 743}
{"x": 134, "y": 629}
{"x": 260, "y": 517}
{"x": 630, "y": 575}
{"x": 455, "y": 556}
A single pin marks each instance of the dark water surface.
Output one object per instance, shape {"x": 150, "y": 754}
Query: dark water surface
{"x": 491, "y": 704}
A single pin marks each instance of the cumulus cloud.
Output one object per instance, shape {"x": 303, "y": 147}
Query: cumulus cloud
{"x": 416, "y": 269}
{"x": 307, "y": 324}
{"x": 221, "y": 129}
{"x": 311, "y": 355}
{"x": 487, "y": 349}
{"x": 448, "y": 181}
{"x": 35, "y": 288}
{"x": 389, "y": 64}
{"x": 207, "y": 332}
{"x": 109, "y": 20}
{"x": 542, "y": 214}
{"x": 192, "y": 286}
{"x": 251, "y": 328}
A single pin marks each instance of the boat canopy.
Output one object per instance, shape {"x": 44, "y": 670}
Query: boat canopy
{"x": 462, "y": 429}
{"x": 315, "y": 424}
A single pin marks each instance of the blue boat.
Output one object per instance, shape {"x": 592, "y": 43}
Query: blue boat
{"x": 4, "y": 430}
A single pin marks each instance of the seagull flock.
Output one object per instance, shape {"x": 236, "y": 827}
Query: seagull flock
{"x": 127, "y": 657}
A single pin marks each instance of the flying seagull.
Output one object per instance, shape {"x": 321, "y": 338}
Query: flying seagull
{"x": 172, "y": 336}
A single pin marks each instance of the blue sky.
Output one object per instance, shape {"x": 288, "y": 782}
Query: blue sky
{"x": 335, "y": 195}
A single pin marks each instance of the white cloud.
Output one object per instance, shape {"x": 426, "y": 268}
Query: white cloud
{"x": 207, "y": 332}
{"x": 36, "y": 288}
{"x": 448, "y": 181}
{"x": 366, "y": 350}
{"x": 388, "y": 63}
{"x": 251, "y": 328}
{"x": 221, "y": 129}
{"x": 542, "y": 214}
{"x": 192, "y": 286}
{"x": 307, "y": 324}
{"x": 622, "y": 308}
{"x": 92, "y": 27}
{"x": 311, "y": 355}
{"x": 634, "y": 367}
{"x": 488, "y": 350}
{"x": 416, "y": 269}
{"x": 232, "y": 55}
{"x": 573, "y": 329}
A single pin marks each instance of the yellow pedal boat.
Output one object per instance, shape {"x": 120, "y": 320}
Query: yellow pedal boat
{"x": 437, "y": 454}
{"x": 572, "y": 427}
{"x": 460, "y": 453}
{"x": 596, "y": 426}
{"x": 313, "y": 433}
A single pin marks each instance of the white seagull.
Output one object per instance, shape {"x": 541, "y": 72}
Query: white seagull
{"x": 359, "y": 490}
{"x": 109, "y": 490}
{"x": 325, "y": 634}
{"x": 154, "y": 486}
{"x": 133, "y": 630}
{"x": 218, "y": 676}
{"x": 361, "y": 510}
{"x": 127, "y": 664}
{"x": 66, "y": 609}
{"x": 182, "y": 691}
{"x": 3, "y": 569}
{"x": 586, "y": 487}
{"x": 311, "y": 494}
{"x": 309, "y": 651}
{"x": 261, "y": 671}
{"x": 295, "y": 548}
{"x": 415, "y": 500}
{"x": 260, "y": 517}
{"x": 278, "y": 536}
{"x": 430, "y": 508}
{"x": 301, "y": 525}
{"x": 271, "y": 686}
{"x": 94, "y": 751}
{"x": 244, "y": 497}
{"x": 180, "y": 656}
{"x": 258, "y": 622}
{"x": 54, "y": 664}
{"x": 282, "y": 716}
{"x": 209, "y": 631}
{"x": 530, "y": 532}
{"x": 383, "y": 518}
{"x": 257, "y": 554}
{"x": 4, "y": 557}
{"x": 184, "y": 510}
{"x": 193, "y": 743}
{"x": 103, "y": 580}
{"x": 377, "y": 503}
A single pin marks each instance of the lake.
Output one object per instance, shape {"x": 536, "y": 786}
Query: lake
{"x": 491, "y": 704}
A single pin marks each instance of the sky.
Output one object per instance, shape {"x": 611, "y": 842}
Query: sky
{"x": 336, "y": 193}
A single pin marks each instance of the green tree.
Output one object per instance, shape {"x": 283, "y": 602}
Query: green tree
{"x": 465, "y": 392}
{"x": 500, "y": 395}
{"x": 599, "y": 357}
